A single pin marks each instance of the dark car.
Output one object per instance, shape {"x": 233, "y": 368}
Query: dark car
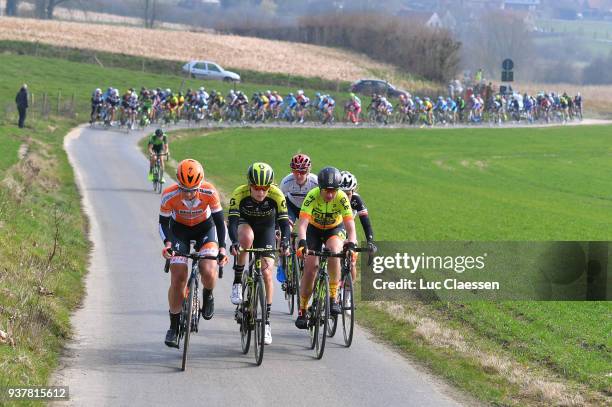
{"x": 370, "y": 86}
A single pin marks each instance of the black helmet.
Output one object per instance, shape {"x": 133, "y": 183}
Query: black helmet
{"x": 329, "y": 177}
{"x": 159, "y": 132}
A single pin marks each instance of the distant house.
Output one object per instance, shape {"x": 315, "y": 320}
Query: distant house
{"x": 482, "y": 4}
{"x": 596, "y": 8}
{"x": 521, "y": 5}
{"x": 448, "y": 21}
{"x": 194, "y": 4}
{"x": 528, "y": 17}
{"x": 426, "y": 18}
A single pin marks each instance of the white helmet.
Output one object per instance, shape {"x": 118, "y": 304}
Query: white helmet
{"x": 202, "y": 89}
{"x": 300, "y": 92}
{"x": 349, "y": 182}
{"x": 168, "y": 91}
{"x": 98, "y": 91}
{"x": 115, "y": 92}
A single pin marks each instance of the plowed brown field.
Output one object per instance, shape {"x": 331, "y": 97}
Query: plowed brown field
{"x": 227, "y": 50}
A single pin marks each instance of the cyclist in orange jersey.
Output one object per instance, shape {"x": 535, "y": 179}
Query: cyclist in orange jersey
{"x": 191, "y": 210}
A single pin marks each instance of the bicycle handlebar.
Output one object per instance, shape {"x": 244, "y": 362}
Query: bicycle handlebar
{"x": 342, "y": 254}
{"x": 194, "y": 256}
{"x": 258, "y": 250}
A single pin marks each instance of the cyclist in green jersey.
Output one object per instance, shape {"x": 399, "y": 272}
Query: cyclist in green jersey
{"x": 158, "y": 144}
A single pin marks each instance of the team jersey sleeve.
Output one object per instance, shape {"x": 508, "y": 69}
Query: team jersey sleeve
{"x": 345, "y": 205}
{"x": 281, "y": 203}
{"x": 358, "y": 205}
{"x": 284, "y": 185}
{"x": 166, "y": 204}
{"x": 234, "y": 208}
{"x": 213, "y": 197}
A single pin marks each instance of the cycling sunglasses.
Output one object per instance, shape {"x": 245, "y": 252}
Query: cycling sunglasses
{"x": 187, "y": 190}
{"x": 260, "y": 188}
{"x": 296, "y": 172}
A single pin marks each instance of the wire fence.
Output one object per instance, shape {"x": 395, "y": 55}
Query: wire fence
{"x": 42, "y": 105}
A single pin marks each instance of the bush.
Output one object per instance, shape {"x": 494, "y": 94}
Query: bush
{"x": 430, "y": 53}
{"x": 598, "y": 72}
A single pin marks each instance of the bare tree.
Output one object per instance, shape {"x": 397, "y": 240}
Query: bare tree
{"x": 11, "y": 7}
{"x": 501, "y": 35}
{"x": 44, "y": 8}
{"x": 150, "y": 13}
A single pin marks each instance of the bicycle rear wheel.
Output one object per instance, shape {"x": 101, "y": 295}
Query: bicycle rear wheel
{"x": 160, "y": 177}
{"x": 259, "y": 317}
{"x": 245, "y": 329}
{"x": 188, "y": 315}
{"x": 321, "y": 316}
{"x": 348, "y": 309}
{"x": 332, "y": 325}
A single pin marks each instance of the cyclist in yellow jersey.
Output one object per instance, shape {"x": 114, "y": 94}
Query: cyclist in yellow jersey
{"x": 325, "y": 218}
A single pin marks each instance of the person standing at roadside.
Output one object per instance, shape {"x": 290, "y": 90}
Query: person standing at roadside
{"x": 22, "y": 104}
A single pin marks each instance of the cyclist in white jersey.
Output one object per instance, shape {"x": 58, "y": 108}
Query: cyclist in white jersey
{"x": 295, "y": 187}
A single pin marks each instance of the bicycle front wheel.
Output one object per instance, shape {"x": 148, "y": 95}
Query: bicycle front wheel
{"x": 188, "y": 315}
{"x": 296, "y": 274}
{"x": 321, "y": 317}
{"x": 259, "y": 316}
{"x": 290, "y": 295}
{"x": 155, "y": 173}
{"x": 348, "y": 309}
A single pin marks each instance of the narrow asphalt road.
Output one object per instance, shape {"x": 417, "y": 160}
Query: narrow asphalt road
{"x": 118, "y": 358}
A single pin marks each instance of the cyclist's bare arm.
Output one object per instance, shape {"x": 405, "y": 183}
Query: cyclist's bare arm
{"x": 302, "y": 226}
{"x": 349, "y": 225}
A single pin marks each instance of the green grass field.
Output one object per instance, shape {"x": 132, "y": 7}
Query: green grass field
{"x": 58, "y": 77}
{"x": 464, "y": 184}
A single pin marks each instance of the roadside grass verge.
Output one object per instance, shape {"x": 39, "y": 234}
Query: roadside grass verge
{"x": 465, "y": 184}
{"x": 43, "y": 250}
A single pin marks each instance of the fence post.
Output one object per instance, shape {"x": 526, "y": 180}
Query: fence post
{"x": 73, "y": 106}
{"x": 59, "y": 98}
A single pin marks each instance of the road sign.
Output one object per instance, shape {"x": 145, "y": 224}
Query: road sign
{"x": 508, "y": 64}
{"x": 507, "y": 76}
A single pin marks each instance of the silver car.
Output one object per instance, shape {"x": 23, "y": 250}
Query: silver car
{"x": 209, "y": 70}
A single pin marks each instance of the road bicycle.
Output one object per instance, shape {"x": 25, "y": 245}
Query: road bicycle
{"x": 346, "y": 298}
{"x": 293, "y": 267}
{"x": 251, "y": 313}
{"x": 191, "y": 309}
{"x": 158, "y": 174}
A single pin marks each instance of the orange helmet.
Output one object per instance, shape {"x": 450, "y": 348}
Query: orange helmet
{"x": 189, "y": 174}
